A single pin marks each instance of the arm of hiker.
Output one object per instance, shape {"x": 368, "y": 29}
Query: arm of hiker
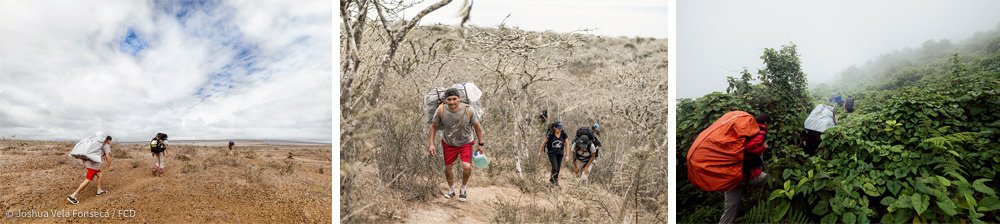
{"x": 756, "y": 144}
{"x": 479, "y": 135}
{"x": 569, "y": 152}
{"x": 430, "y": 143}
{"x": 108, "y": 158}
{"x": 545, "y": 142}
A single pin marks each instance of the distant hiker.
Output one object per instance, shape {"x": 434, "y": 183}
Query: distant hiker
{"x": 555, "y": 147}
{"x": 837, "y": 100}
{"x": 456, "y": 122}
{"x": 726, "y": 157}
{"x": 849, "y": 104}
{"x": 544, "y": 117}
{"x": 820, "y": 119}
{"x": 93, "y": 165}
{"x": 231, "y": 144}
{"x": 596, "y": 129}
{"x": 586, "y": 148}
{"x": 158, "y": 146}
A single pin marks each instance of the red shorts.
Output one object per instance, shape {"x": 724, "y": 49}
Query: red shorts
{"x": 452, "y": 152}
{"x": 91, "y": 173}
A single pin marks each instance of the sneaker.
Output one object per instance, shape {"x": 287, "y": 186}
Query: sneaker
{"x": 100, "y": 192}
{"x": 463, "y": 195}
{"x": 72, "y": 200}
{"x": 450, "y": 194}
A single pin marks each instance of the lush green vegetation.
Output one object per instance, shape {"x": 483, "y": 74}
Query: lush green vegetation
{"x": 922, "y": 146}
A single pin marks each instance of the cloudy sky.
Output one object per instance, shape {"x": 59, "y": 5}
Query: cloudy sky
{"x": 720, "y": 38}
{"x": 645, "y": 18}
{"x": 205, "y": 70}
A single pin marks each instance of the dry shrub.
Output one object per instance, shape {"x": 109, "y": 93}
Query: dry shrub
{"x": 519, "y": 211}
{"x": 135, "y": 163}
{"x": 400, "y": 161}
{"x": 182, "y": 157}
{"x": 253, "y": 174}
{"x": 251, "y": 154}
{"x": 284, "y": 168}
{"x": 121, "y": 153}
{"x": 188, "y": 168}
{"x": 17, "y": 153}
{"x": 226, "y": 161}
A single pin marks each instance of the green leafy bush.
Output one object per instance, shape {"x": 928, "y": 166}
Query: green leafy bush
{"x": 921, "y": 147}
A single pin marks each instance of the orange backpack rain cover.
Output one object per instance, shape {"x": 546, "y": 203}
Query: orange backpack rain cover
{"x": 715, "y": 160}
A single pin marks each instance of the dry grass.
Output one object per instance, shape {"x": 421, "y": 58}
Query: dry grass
{"x": 620, "y": 82}
{"x": 218, "y": 187}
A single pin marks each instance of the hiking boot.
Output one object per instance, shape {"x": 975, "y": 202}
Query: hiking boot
{"x": 463, "y": 195}
{"x": 72, "y": 200}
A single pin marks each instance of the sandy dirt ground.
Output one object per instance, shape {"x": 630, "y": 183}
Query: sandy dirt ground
{"x": 251, "y": 184}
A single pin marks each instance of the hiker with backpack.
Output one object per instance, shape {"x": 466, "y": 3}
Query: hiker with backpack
{"x": 92, "y": 154}
{"x": 849, "y": 104}
{"x": 158, "y": 147}
{"x": 837, "y": 100}
{"x": 586, "y": 148}
{"x": 456, "y": 121}
{"x": 231, "y": 144}
{"x": 821, "y": 118}
{"x": 726, "y": 157}
{"x": 554, "y": 145}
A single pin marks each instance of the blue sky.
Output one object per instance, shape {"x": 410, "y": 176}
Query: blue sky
{"x": 192, "y": 69}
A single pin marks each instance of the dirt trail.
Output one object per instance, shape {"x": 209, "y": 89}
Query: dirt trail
{"x": 482, "y": 202}
{"x": 474, "y": 210}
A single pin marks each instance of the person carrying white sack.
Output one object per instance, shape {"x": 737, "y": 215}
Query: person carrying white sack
{"x": 92, "y": 150}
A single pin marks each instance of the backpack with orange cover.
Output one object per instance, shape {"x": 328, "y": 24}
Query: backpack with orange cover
{"x": 715, "y": 160}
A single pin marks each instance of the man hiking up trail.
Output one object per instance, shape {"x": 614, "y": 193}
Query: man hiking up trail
{"x": 456, "y": 122}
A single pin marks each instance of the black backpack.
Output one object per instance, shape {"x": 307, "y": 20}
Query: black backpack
{"x": 156, "y": 146}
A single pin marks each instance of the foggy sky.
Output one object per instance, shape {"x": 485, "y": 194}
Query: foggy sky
{"x": 720, "y": 38}
{"x": 645, "y": 18}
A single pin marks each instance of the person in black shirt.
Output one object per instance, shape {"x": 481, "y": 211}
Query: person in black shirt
{"x": 555, "y": 146}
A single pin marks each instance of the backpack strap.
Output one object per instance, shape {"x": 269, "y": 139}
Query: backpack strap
{"x": 440, "y": 110}
{"x": 468, "y": 112}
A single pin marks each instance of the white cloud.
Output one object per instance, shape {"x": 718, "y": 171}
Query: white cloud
{"x": 645, "y": 18}
{"x": 223, "y": 70}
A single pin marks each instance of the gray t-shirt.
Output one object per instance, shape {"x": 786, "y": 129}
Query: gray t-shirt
{"x": 455, "y": 127}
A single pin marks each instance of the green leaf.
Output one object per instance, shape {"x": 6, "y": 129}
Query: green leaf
{"x": 947, "y": 206}
{"x": 870, "y": 189}
{"x": 953, "y": 152}
{"x": 923, "y": 188}
{"x": 779, "y": 212}
{"x": 829, "y": 218}
{"x": 944, "y": 181}
{"x": 919, "y": 202}
{"x": 776, "y": 194}
{"x": 894, "y": 187}
{"x": 887, "y": 200}
{"x": 788, "y": 184}
{"x": 989, "y": 204}
{"x": 849, "y": 218}
{"x": 980, "y": 186}
{"x": 821, "y": 209}
{"x": 969, "y": 200}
